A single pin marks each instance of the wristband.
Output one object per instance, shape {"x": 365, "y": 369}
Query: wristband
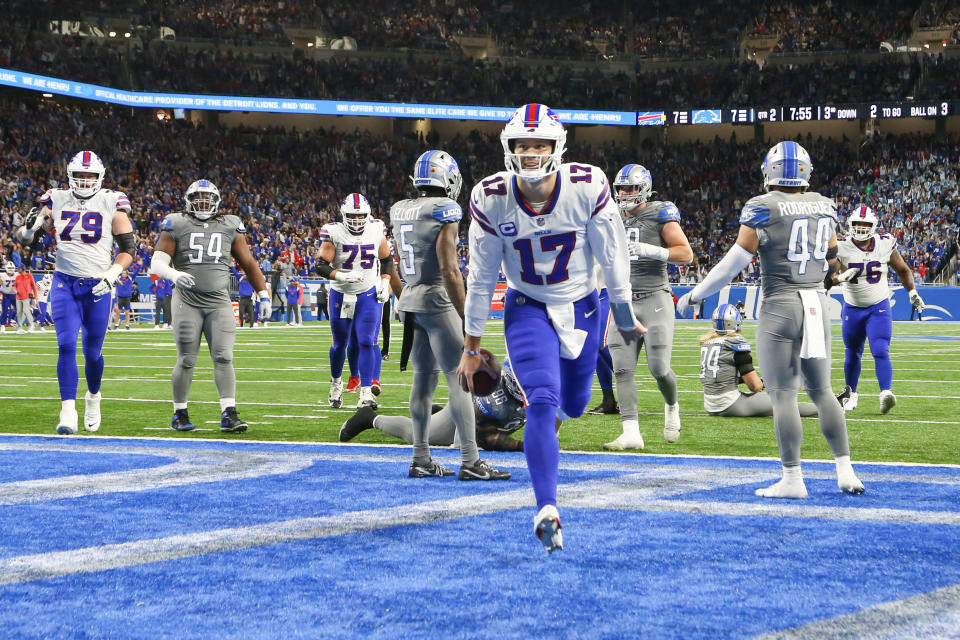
{"x": 471, "y": 353}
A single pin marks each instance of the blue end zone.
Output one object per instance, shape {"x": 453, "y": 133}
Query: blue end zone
{"x": 659, "y": 547}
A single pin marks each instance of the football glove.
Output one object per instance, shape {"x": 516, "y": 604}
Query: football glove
{"x": 183, "y": 280}
{"x": 34, "y": 222}
{"x": 265, "y": 309}
{"x": 348, "y": 277}
{"x": 916, "y": 300}
{"x": 685, "y": 304}
{"x": 383, "y": 290}
{"x": 107, "y": 279}
{"x": 647, "y": 250}
{"x": 848, "y": 275}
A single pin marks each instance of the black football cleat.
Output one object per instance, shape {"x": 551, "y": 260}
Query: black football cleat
{"x": 360, "y": 421}
{"x": 605, "y": 408}
{"x": 181, "y": 421}
{"x": 230, "y": 422}
{"x": 481, "y": 470}
{"x": 428, "y": 470}
{"x": 844, "y": 395}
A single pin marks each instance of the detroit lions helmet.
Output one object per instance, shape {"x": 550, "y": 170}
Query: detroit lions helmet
{"x": 787, "y": 164}
{"x": 727, "y": 319}
{"x": 203, "y": 199}
{"x": 537, "y": 122}
{"x": 85, "y": 162}
{"x": 355, "y": 209}
{"x": 637, "y": 183}
{"x": 510, "y": 380}
{"x": 862, "y": 223}
{"x": 438, "y": 169}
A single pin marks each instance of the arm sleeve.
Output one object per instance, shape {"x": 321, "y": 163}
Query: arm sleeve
{"x": 736, "y": 260}
{"x": 486, "y": 255}
{"x": 743, "y": 361}
{"x": 608, "y": 242}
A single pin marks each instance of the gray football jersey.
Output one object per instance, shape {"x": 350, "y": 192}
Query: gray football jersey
{"x": 645, "y": 225}
{"x": 718, "y": 370}
{"x": 204, "y": 251}
{"x": 794, "y": 231}
{"x": 416, "y": 225}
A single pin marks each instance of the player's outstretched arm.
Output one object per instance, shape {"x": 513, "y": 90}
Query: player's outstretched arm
{"x": 608, "y": 243}
{"x": 737, "y": 259}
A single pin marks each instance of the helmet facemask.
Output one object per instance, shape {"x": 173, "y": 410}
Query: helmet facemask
{"x": 203, "y": 204}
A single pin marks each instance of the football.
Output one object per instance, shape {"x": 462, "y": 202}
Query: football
{"x": 487, "y": 377}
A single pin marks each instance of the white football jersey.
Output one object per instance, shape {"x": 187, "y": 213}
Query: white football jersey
{"x": 355, "y": 252}
{"x": 84, "y": 229}
{"x": 43, "y": 288}
{"x": 870, "y": 286}
{"x": 548, "y": 255}
{"x": 7, "y": 285}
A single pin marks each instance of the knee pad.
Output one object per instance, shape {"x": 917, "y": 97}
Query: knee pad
{"x": 223, "y": 359}
{"x": 187, "y": 362}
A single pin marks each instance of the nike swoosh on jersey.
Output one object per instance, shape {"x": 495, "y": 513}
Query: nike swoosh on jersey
{"x": 589, "y": 313}
{"x": 658, "y": 310}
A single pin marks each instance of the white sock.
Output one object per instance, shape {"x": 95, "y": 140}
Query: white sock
{"x": 179, "y": 405}
{"x": 94, "y": 395}
{"x": 68, "y": 404}
{"x": 631, "y": 428}
{"x": 227, "y": 402}
{"x": 790, "y": 486}
{"x": 374, "y": 423}
{"x": 793, "y": 473}
{"x": 847, "y": 480}
{"x": 338, "y": 379}
{"x": 367, "y": 390}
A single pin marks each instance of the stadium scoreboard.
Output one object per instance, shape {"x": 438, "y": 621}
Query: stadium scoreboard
{"x": 811, "y": 112}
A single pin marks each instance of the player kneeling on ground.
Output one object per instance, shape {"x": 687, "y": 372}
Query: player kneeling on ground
{"x": 725, "y": 361}
{"x": 200, "y": 244}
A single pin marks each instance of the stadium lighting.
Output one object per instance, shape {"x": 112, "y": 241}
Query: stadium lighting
{"x": 48, "y": 95}
{"x": 126, "y": 35}
{"x": 310, "y": 44}
{"x": 113, "y": 34}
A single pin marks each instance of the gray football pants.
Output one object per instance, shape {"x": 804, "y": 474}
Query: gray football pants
{"x": 438, "y": 340}
{"x": 779, "y": 336}
{"x": 655, "y": 312}
{"x": 218, "y": 326}
{"x": 759, "y": 405}
{"x": 25, "y": 313}
{"x": 440, "y": 430}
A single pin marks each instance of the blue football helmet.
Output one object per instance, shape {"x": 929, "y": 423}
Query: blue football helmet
{"x": 637, "y": 182}
{"x": 438, "y": 169}
{"x": 787, "y": 164}
{"x": 727, "y": 319}
{"x": 510, "y": 380}
{"x": 203, "y": 199}
{"x": 537, "y": 122}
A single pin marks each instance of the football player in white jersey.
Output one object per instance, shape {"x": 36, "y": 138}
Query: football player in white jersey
{"x": 88, "y": 220}
{"x": 546, "y": 223}
{"x": 9, "y": 290}
{"x": 355, "y": 256}
{"x": 866, "y": 254}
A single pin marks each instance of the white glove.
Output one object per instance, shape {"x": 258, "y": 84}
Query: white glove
{"x": 916, "y": 300}
{"x": 685, "y": 304}
{"x": 383, "y": 290}
{"x": 183, "y": 280}
{"x": 107, "y": 279}
{"x": 848, "y": 275}
{"x": 647, "y": 250}
{"x": 348, "y": 277}
{"x": 265, "y": 309}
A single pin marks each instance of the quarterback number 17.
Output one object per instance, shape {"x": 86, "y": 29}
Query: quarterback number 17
{"x": 565, "y": 242}
{"x": 798, "y": 246}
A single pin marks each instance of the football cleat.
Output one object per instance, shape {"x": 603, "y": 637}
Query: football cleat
{"x": 847, "y": 397}
{"x": 375, "y": 387}
{"x": 68, "y": 422}
{"x": 385, "y": 357}
{"x": 353, "y": 383}
{"x": 481, "y": 470}
{"x": 428, "y": 469}
{"x": 230, "y": 422}
{"x": 605, "y": 408}
{"x": 887, "y": 401}
{"x": 360, "y": 421}
{"x": 547, "y": 527}
{"x": 671, "y": 422}
{"x": 366, "y": 399}
{"x": 91, "y": 411}
{"x": 624, "y": 441}
{"x": 181, "y": 421}
{"x": 335, "y": 397}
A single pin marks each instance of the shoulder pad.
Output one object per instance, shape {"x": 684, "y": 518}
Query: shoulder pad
{"x": 755, "y": 213}
{"x": 240, "y": 227}
{"x": 167, "y": 224}
{"x": 668, "y": 213}
{"x": 123, "y": 202}
{"x": 46, "y": 197}
{"x": 448, "y": 211}
{"x": 739, "y": 346}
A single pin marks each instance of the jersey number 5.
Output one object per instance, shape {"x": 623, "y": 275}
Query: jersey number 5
{"x": 528, "y": 268}
{"x": 798, "y": 246}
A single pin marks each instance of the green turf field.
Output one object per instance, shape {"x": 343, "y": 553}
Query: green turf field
{"x": 282, "y": 373}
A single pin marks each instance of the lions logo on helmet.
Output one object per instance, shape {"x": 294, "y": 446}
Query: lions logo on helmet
{"x": 203, "y": 199}
{"x": 632, "y": 186}
{"x": 355, "y": 209}
{"x": 787, "y": 164}
{"x": 862, "y": 224}
{"x": 510, "y": 380}
{"x": 85, "y": 174}
{"x": 727, "y": 319}
{"x": 438, "y": 169}
{"x": 536, "y": 122}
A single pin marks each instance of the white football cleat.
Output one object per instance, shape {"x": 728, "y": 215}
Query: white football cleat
{"x": 366, "y": 398}
{"x": 786, "y": 488}
{"x": 671, "y": 422}
{"x": 68, "y": 422}
{"x": 91, "y": 411}
{"x": 624, "y": 442}
{"x": 335, "y": 397}
{"x": 887, "y": 401}
{"x": 546, "y": 526}
{"x": 851, "y": 402}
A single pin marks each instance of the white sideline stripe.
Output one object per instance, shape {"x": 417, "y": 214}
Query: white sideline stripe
{"x": 929, "y": 615}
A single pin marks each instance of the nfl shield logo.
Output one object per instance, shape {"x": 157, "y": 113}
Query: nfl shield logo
{"x": 541, "y": 221}
{"x": 813, "y": 311}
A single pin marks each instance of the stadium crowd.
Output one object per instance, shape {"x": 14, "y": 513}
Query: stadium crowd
{"x": 286, "y": 184}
